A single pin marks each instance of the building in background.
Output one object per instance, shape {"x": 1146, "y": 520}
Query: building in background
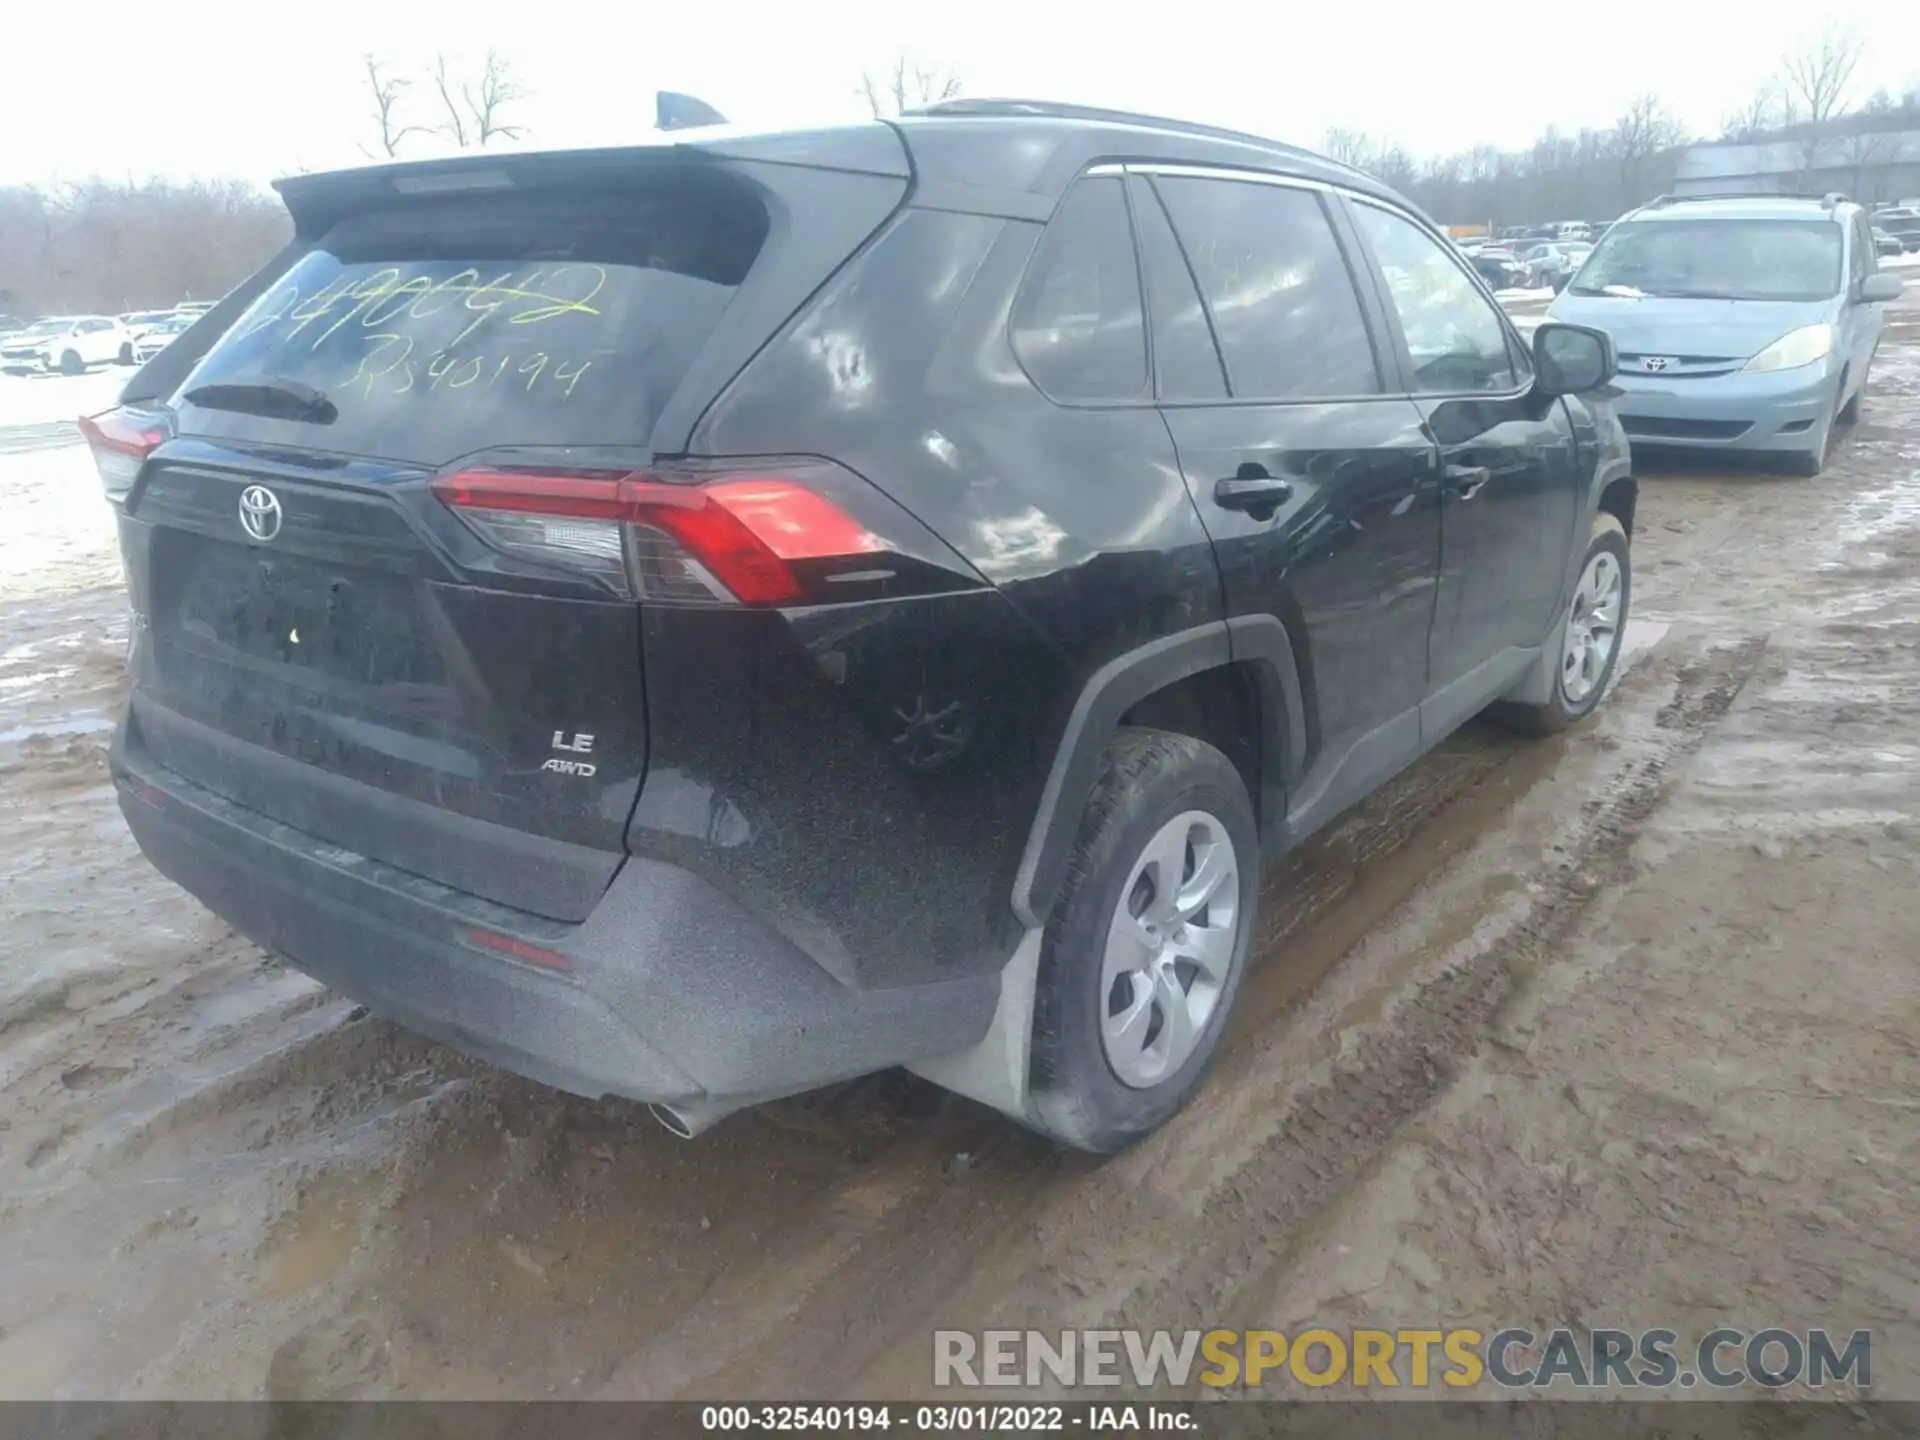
{"x": 1874, "y": 167}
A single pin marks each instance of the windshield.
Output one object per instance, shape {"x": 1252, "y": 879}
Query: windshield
{"x": 43, "y": 327}
{"x": 1716, "y": 260}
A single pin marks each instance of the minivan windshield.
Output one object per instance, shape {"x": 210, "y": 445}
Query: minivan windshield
{"x": 433, "y": 329}
{"x": 1716, "y": 260}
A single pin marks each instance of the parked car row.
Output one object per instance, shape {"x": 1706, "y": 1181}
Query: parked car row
{"x": 68, "y": 344}
{"x": 1525, "y": 267}
{"x": 71, "y": 344}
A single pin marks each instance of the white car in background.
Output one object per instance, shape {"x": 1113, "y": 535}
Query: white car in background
{"x": 66, "y": 343}
{"x": 138, "y": 322}
{"x": 162, "y": 333}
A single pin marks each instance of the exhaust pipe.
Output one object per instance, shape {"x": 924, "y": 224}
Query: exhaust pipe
{"x": 687, "y": 1120}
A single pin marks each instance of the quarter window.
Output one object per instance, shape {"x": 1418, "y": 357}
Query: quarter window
{"x": 1078, "y": 327}
{"x": 1276, "y": 286}
{"x": 1454, "y": 333}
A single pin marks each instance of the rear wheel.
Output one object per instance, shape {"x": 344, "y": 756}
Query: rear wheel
{"x": 125, "y": 356}
{"x": 1144, "y": 956}
{"x": 1589, "y": 638}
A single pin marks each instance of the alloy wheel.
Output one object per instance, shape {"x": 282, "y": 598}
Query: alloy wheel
{"x": 1593, "y": 627}
{"x": 1170, "y": 948}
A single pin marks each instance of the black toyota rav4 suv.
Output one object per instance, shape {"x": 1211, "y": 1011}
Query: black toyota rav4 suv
{"x": 700, "y": 621}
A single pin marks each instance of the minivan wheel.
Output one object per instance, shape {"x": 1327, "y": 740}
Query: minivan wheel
{"x": 1809, "y": 463}
{"x": 1850, "y": 412}
{"x": 1144, "y": 956}
{"x": 71, "y": 363}
{"x": 1588, "y": 640}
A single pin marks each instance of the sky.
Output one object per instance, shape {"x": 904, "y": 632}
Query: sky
{"x": 210, "y": 88}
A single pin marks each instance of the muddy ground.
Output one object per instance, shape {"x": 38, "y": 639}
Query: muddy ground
{"x": 1621, "y": 1028}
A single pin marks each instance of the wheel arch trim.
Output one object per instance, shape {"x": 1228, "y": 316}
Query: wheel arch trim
{"x": 1259, "y": 641}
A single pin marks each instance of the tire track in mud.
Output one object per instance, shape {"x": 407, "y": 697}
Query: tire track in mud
{"x": 1163, "y": 1252}
{"x": 1337, "y": 1128}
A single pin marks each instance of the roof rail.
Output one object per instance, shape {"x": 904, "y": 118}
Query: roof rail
{"x": 1055, "y": 110}
{"x": 1828, "y": 201}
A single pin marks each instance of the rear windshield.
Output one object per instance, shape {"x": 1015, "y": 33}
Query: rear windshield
{"x": 1716, "y": 260}
{"x": 437, "y": 328}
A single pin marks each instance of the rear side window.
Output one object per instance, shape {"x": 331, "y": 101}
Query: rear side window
{"x": 1454, "y": 334}
{"x": 1278, "y": 291}
{"x": 1077, "y": 326}
{"x": 1184, "y": 355}
{"x": 437, "y": 328}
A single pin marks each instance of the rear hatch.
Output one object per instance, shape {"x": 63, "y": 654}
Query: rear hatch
{"x": 327, "y": 642}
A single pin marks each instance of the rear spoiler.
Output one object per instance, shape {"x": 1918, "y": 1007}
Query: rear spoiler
{"x": 315, "y": 201}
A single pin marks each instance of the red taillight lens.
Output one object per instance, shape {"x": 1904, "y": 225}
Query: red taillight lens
{"x": 121, "y": 440}
{"x": 729, "y": 540}
{"x": 520, "y": 949}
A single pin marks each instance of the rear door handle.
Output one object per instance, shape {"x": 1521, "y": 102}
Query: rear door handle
{"x": 1252, "y": 493}
{"x": 1466, "y": 480}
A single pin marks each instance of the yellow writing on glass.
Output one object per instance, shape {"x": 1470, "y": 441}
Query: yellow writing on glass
{"x": 388, "y": 367}
{"x": 391, "y": 301}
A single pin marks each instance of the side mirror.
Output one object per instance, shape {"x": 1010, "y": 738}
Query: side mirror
{"x": 1572, "y": 359}
{"x": 1880, "y": 286}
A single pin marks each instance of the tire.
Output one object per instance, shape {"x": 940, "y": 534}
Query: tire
{"x": 71, "y": 363}
{"x": 1850, "y": 412}
{"x": 1810, "y": 463}
{"x": 125, "y": 357}
{"x": 1151, "y": 784}
{"x": 1565, "y": 709}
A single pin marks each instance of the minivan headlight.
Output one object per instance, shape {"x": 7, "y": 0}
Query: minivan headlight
{"x": 1794, "y": 349}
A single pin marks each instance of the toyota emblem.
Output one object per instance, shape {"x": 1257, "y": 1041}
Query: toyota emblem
{"x": 1656, "y": 362}
{"x": 259, "y": 512}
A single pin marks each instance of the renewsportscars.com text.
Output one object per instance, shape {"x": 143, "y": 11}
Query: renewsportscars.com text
{"x": 1458, "y": 1359}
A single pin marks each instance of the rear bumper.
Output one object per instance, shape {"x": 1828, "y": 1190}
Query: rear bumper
{"x": 672, "y": 992}
{"x": 1778, "y": 413}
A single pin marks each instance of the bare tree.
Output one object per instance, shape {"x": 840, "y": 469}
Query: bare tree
{"x": 472, "y": 112}
{"x": 908, "y": 86}
{"x": 1816, "y": 78}
{"x": 1761, "y": 113}
{"x": 104, "y": 246}
{"x": 1349, "y": 147}
{"x": 454, "y": 126}
{"x": 1646, "y": 130}
{"x": 1862, "y": 153}
{"x": 1394, "y": 166}
{"x": 388, "y": 90}
{"x": 498, "y": 88}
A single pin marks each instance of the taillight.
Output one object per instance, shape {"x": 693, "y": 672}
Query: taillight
{"x": 750, "y": 537}
{"x": 121, "y": 441}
